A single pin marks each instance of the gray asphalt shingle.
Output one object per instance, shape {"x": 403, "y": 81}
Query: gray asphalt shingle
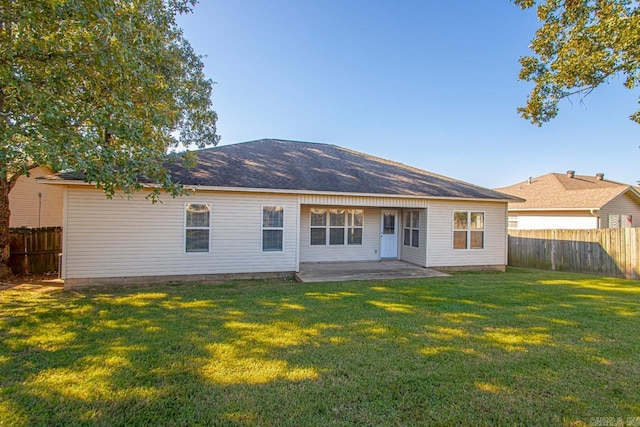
{"x": 277, "y": 164}
{"x": 291, "y": 165}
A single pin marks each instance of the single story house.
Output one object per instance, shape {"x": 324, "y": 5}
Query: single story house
{"x": 570, "y": 201}
{"x": 267, "y": 206}
{"x": 34, "y": 205}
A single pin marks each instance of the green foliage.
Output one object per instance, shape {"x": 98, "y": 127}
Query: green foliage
{"x": 523, "y": 348}
{"x": 106, "y": 87}
{"x": 580, "y": 45}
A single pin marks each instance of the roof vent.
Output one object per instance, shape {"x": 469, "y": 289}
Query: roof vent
{"x": 600, "y": 176}
{"x": 571, "y": 174}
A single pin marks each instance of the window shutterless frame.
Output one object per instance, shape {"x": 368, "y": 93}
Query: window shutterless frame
{"x": 411, "y": 228}
{"x": 272, "y": 228}
{"x": 197, "y": 228}
{"x": 318, "y": 227}
{"x": 355, "y": 226}
{"x": 468, "y": 230}
{"x": 335, "y": 226}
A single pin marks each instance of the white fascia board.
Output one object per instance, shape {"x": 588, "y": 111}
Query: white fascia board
{"x": 285, "y": 191}
{"x": 62, "y": 182}
{"x": 553, "y": 209}
{"x": 336, "y": 193}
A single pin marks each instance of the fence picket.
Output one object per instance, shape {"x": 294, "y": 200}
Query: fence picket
{"x": 35, "y": 250}
{"x": 610, "y": 252}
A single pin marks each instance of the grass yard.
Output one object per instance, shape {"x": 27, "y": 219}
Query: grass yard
{"x": 522, "y": 348}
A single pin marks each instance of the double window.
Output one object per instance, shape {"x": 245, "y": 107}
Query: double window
{"x": 468, "y": 230}
{"x": 412, "y": 228}
{"x": 197, "y": 227}
{"x": 272, "y": 228}
{"x": 336, "y": 226}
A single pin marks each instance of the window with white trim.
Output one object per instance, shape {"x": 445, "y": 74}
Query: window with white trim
{"x": 197, "y": 227}
{"x": 318, "y": 225}
{"x": 468, "y": 230}
{"x": 272, "y": 228}
{"x": 512, "y": 222}
{"x": 412, "y": 228}
{"x": 355, "y": 221}
{"x": 336, "y": 226}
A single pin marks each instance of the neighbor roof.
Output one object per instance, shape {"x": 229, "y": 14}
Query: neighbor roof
{"x": 303, "y": 166}
{"x": 562, "y": 192}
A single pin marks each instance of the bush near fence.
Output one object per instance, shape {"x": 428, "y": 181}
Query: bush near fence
{"x": 611, "y": 252}
{"x": 35, "y": 250}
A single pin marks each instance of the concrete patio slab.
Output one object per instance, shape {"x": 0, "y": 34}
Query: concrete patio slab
{"x": 368, "y": 270}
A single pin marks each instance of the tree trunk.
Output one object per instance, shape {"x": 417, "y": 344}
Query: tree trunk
{"x": 5, "y": 213}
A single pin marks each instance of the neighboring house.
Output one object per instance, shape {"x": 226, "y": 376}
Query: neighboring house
{"x": 33, "y": 204}
{"x": 266, "y": 206}
{"x": 570, "y": 201}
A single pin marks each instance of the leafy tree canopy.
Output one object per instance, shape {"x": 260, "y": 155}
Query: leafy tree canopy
{"x": 101, "y": 86}
{"x": 580, "y": 45}
{"x": 105, "y": 87}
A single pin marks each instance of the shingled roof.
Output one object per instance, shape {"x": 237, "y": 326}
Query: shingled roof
{"x": 562, "y": 191}
{"x": 276, "y": 164}
{"x": 304, "y": 166}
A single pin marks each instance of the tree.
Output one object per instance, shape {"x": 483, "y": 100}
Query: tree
{"x": 105, "y": 87}
{"x": 580, "y": 45}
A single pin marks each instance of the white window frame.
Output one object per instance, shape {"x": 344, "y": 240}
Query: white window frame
{"x": 312, "y": 227}
{"x": 409, "y": 227}
{"x": 512, "y": 222}
{"x": 208, "y": 228}
{"x": 350, "y": 214}
{"x": 263, "y": 228}
{"x": 468, "y": 230}
{"x": 337, "y": 227}
{"x": 328, "y": 227}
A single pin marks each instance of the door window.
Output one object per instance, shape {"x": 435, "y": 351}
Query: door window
{"x": 389, "y": 226}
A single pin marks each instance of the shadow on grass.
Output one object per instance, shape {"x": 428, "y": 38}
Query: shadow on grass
{"x": 524, "y": 347}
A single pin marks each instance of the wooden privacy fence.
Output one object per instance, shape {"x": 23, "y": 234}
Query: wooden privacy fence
{"x": 35, "y": 250}
{"x": 610, "y": 252}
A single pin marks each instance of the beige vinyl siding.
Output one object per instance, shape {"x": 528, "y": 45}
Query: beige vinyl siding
{"x": 624, "y": 204}
{"x": 356, "y": 201}
{"x": 410, "y": 254}
{"x": 368, "y": 251}
{"x": 440, "y": 252}
{"x": 569, "y": 220}
{"x": 132, "y": 237}
{"x": 30, "y": 210}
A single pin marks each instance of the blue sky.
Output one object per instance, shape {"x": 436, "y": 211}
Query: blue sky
{"x": 432, "y": 84}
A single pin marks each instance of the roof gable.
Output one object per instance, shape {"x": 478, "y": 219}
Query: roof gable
{"x": 559, "y": 191}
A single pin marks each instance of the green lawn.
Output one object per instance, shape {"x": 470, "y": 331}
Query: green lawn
{"x": 520, "y": 348}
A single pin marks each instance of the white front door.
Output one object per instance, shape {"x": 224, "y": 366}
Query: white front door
{"x": 389, "y": 234}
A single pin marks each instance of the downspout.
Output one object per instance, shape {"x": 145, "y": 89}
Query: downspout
{"x": 62, "y": 274}
{"x": 427, "y": 211}
{"x": 594, "y": 212}
{"x": 39, "y": 209}
{"x": 298, "y": 235}
{"x": 506, "y": 243}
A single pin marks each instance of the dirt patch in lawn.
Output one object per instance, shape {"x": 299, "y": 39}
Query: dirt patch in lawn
{"x": 35, "y": 283}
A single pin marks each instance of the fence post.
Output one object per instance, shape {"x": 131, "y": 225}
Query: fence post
{"x": 34, "y": 250}
{"x": 25, "y": 259}
{"x": 610, "y": 252}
